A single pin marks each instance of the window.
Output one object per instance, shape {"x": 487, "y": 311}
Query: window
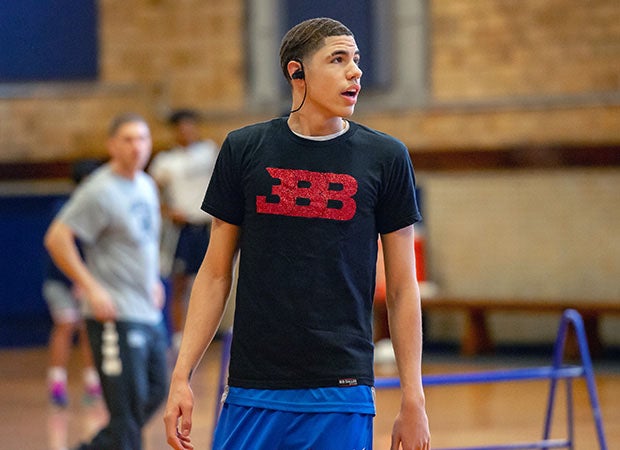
{"x": 391, "y": 35}
{"x": 364, "y": 20}
{"x": 48, "y": 40}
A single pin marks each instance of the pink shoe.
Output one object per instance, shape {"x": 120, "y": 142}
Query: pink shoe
{"x": 92, "y": 393}
{"x": 58, "y": 394}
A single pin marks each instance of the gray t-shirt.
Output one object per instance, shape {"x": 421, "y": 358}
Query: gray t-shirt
{"x": 118, "y": 222}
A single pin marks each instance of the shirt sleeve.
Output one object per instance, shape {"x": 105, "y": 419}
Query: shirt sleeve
{"x": 398, "y": 206}
{"x": 224, "y": 198}
{"x": 84, "y": 214}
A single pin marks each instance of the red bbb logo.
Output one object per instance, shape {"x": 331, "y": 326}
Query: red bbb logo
{"x": 303, "y": 193}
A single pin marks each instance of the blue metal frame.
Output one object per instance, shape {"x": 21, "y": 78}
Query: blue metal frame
{"x": 555, "y": 372}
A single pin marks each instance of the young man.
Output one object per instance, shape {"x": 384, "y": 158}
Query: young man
{"x": 304, "y": 199}
{"x": 115, "y": 215}
{"x": 182, "y": 174}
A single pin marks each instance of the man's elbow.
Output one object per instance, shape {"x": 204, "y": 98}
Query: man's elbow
{"x": 48, "y": 239}
{"x": 53, "y": 236}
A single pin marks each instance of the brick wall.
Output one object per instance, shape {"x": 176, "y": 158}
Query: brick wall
{"x": 154, "y": 56}
{"x": 191, "y": 50}
{"x": 541, "y": 234}
{"x": 524, "y": 234}
{"x": 502, "y": 73}
{"x": 493, "y": 48}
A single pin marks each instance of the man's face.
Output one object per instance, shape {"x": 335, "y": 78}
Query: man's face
{"x": 187, "y": 132}
{"x": 130, "y": 147}
{"x": 333, "y": 77}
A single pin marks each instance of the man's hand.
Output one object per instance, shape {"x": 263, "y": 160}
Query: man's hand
{"x": 101, "y": 302}
{"x": 411, "y": 430}
{"x": 178, "y": 415}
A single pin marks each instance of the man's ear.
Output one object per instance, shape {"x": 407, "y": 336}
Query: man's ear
{"x": 295, "y": 69}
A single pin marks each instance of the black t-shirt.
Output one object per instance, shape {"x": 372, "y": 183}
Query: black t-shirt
{"x": 310, "y": 212}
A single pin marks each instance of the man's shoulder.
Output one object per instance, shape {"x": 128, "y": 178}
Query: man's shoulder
{"x": 91, "y": 193}
{"x": 257, "y": 129}
{"x": 145, "y": 177}
{"x": 163, "y": 160}
{"x": 167, "y": 154}
{"x": 367, "y": 132}
{"x": 378, "y": 139}
{"x": 97, "y": 181}
{"x": 203, "y": 146}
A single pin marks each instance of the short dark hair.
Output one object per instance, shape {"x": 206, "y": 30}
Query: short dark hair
{"x": 307, "y": 37}
{"x": 183, "y": 114}
{"x": 122, "y": 119}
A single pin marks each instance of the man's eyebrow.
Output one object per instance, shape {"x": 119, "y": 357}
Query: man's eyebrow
{"x": 344, "y": 52}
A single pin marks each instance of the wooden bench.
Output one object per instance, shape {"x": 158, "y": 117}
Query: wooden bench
{"x": 477, "y": 339}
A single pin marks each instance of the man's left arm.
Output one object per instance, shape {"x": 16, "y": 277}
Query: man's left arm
{"x": 411, "y": 429}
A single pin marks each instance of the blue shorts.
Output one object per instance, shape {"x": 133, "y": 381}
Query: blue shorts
{"x": 191, "y": 248}
{"x": 251, "y": 428}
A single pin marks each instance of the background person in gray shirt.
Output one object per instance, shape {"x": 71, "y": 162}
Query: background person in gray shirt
{"x": 115, "y": 215}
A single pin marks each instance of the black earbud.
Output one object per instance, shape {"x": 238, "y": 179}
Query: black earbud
{"x": 299, "y": 73}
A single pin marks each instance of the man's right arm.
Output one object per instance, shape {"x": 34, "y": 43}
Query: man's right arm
{"x": 60, "y": 243}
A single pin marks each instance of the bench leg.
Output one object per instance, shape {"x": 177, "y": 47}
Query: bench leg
{"x": 476, "y": 338}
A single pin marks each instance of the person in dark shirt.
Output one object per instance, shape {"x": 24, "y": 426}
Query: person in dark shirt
{"x": 304, "y": 199}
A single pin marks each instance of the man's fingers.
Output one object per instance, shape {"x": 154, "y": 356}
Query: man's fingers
{"x": 185, "y": 424}
{"x": 185, "y": 441}
{"x": 173, "y": 437}
{"x": 178, "y": 422}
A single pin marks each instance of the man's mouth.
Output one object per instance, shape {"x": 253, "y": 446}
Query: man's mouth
{"x": 351, "y": 92}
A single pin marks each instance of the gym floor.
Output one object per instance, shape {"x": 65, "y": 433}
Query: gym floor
{"x": 461, "y": 415}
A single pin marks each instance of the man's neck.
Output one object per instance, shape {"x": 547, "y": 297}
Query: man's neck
{"x": 123, "y": 172}
{"x": 305, "y": 126}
